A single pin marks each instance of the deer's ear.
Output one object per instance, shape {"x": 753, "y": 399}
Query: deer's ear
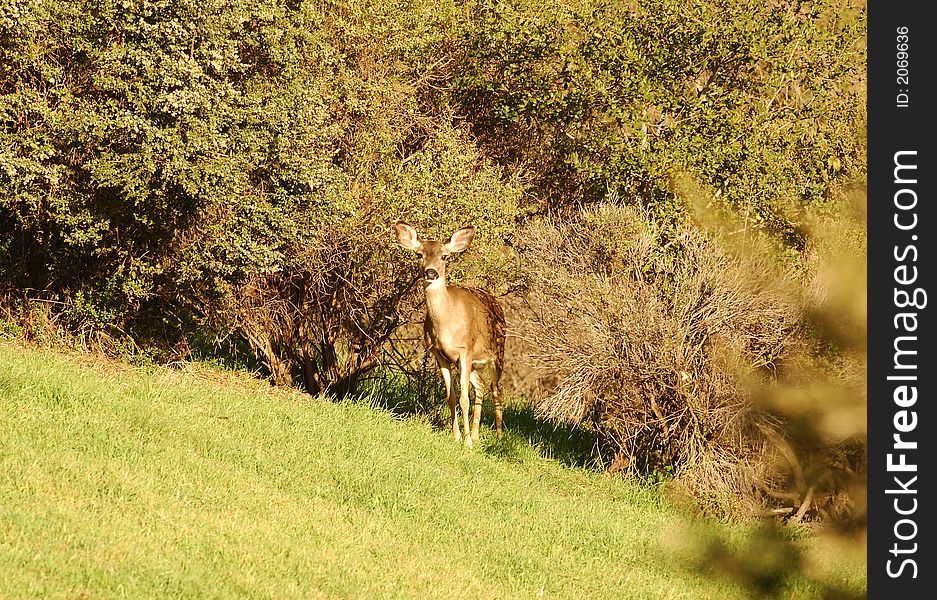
{"x": 461, "y": 239}
{"x": 407, "y": 236}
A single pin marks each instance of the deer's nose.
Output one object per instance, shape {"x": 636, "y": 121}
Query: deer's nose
{"x": 431, "y": 274}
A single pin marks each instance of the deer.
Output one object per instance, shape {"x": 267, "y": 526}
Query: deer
{"x": 463, "y": 326}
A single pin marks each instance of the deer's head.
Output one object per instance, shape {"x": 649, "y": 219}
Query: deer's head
{"x": 433, "y": 254}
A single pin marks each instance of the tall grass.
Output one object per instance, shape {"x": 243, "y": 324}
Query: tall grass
{"x": 120, "y": 482}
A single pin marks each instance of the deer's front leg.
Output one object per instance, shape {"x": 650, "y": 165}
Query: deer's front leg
{"x": 465, "y": 372}
{"x": 445, "y": 370}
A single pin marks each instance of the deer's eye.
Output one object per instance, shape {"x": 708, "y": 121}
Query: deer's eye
{"x": 445, "y": 258}
{"x": 419, "y": 255}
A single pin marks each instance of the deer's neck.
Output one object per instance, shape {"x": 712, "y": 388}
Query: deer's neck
{"x": 438, "y": 299}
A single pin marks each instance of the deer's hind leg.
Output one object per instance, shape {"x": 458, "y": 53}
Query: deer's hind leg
{"x": 496, "y": 396}
{"x": 479, "y": 386}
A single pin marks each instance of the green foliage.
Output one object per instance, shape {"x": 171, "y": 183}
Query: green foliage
{"x": 763, "y": 102}
{"x": 158, "y": 156}
{"x": 143, "y": 148}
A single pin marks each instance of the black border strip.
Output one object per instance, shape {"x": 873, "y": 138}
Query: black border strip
{"x": 901, "y": 270}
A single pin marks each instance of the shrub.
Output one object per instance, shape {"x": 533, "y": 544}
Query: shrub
{"x": 182, "y": 171}
{"x": 763, "y": 102}
{"x": 666, "y": 355}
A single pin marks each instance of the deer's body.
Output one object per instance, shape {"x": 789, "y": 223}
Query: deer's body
{"x": 452, "y": 311}
{"x": 463, "y": 326}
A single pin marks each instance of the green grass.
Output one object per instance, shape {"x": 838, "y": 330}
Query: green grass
{"x": 119, "y": 482}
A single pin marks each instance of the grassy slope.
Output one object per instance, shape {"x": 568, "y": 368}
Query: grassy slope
{"x": 153, "y": 484}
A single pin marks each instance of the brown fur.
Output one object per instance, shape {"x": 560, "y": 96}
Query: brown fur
{"x": 496, "y": 322}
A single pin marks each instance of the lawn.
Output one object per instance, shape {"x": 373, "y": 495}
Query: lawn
{"x": 127, "y": 482}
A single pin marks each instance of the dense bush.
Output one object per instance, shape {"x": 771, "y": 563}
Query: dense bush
{"x": 709, "y": 368}
{"x": 171, "y": 168}
{"x": 152, "y": 147}
{"x": 653, "y": 354}
{"x": 764, "y": 102}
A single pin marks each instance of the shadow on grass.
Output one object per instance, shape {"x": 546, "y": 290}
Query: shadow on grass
{"x": 525, "y": 434}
